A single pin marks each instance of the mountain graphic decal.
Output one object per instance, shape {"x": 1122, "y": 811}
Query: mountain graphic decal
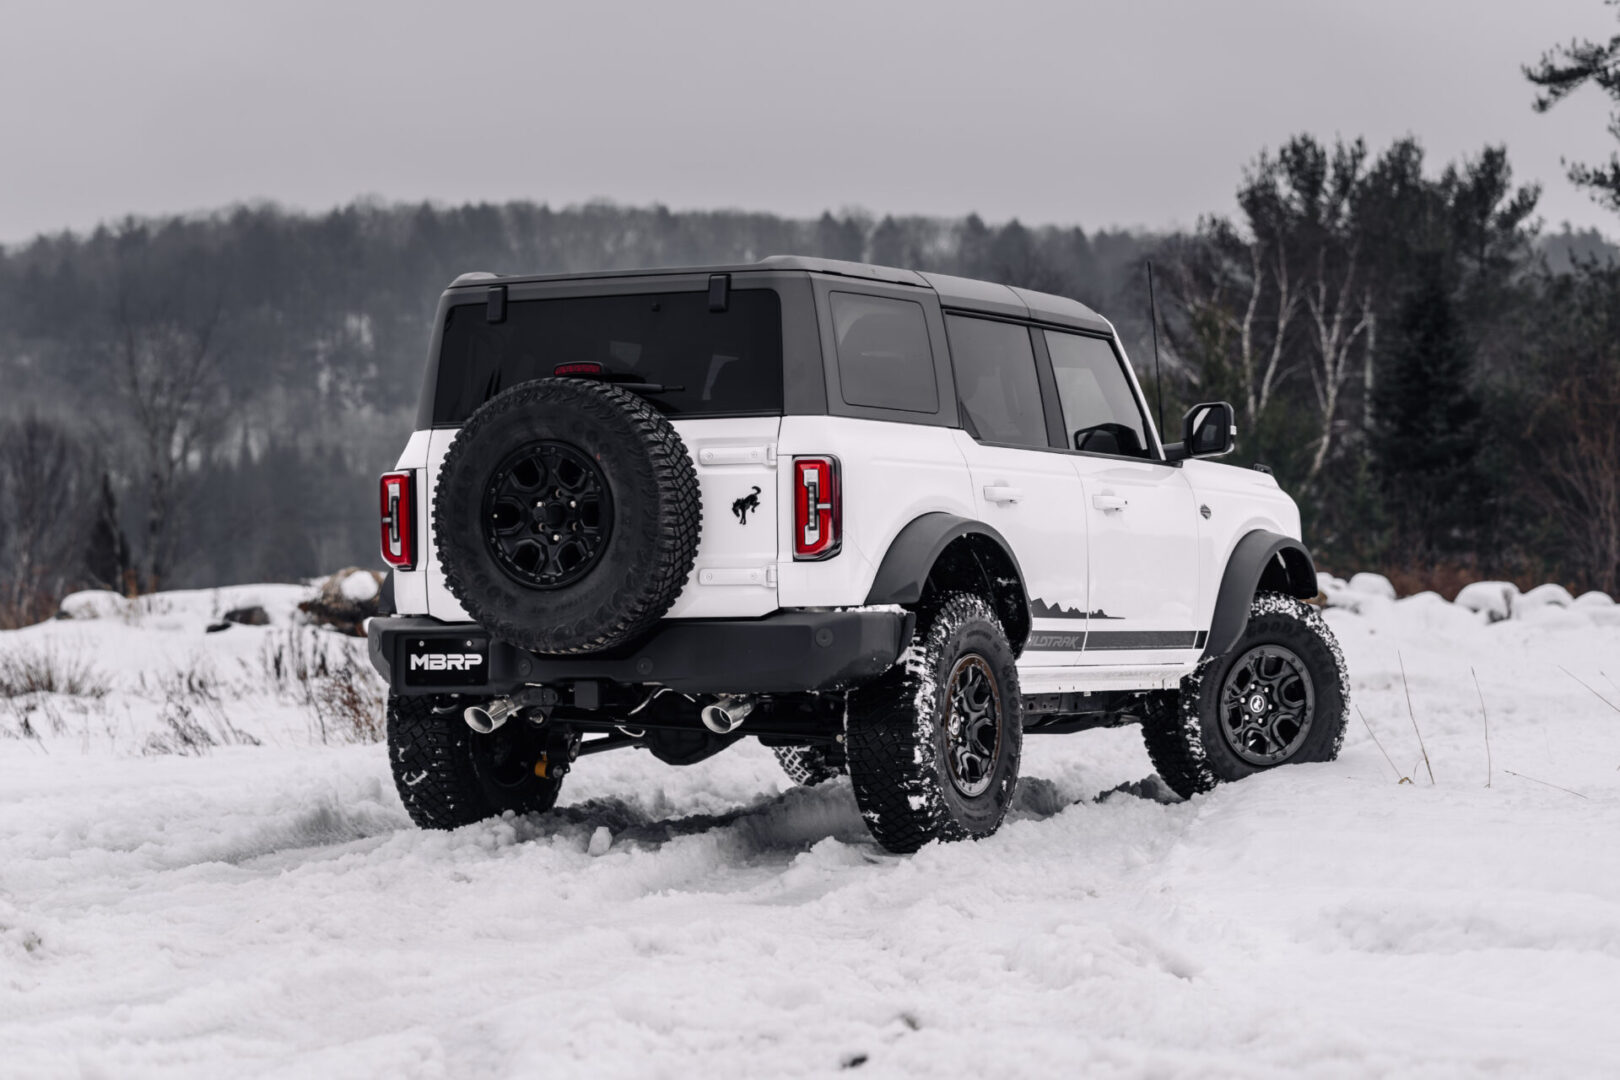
{"x": 1040, "y": 609}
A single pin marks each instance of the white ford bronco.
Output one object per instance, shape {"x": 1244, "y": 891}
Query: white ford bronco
{"x": 887, "y": 522}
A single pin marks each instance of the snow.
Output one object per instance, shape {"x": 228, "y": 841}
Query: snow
{"x": 1493, "y": 599}
{"x": 1372, "y": 585}
{"x": 269, "y": 910}
{"x": 359, "y": 586}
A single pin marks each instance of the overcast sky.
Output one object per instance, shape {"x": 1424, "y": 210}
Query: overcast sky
{"x": 1135, "y": 112}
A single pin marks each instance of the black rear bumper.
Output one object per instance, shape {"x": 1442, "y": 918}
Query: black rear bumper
{"x": 789, "y": 651}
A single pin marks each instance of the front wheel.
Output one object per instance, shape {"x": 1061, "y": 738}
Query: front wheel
{"x": 934, "y": 743}
{"x": 1279, "y": 696}
{"x": 449, "y": 776}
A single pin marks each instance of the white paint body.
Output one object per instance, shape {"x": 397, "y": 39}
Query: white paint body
{"x": 1117, "y": 544}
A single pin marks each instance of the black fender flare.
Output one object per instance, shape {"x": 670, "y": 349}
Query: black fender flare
{"x": 1261, "y": 559}
{"x": 903, "y": 573}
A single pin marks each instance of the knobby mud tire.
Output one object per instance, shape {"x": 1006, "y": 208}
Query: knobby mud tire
{"x": 1181, "y": 730}
{"x": 656, "y": 516}
{"x": 449, "y": 776}
{"x": 895, "y": 733}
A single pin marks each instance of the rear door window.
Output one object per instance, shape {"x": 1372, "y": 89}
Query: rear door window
{"x": 707, "y": 363}
{"x": 884, "y": 361}
{"x": 1100, "y": 413}
{"x": 996, "y": 381}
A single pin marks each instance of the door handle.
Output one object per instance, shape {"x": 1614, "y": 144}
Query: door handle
{"x": 1108, "y": 503}
{"x": 1002, "y": 493}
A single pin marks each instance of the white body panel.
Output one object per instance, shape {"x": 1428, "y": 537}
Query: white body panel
{"x": 1035, "y": 500}
{"x": 1145, "y": 570}
{"x": 892, "y": 475}
{"x": 1108, "y": 546}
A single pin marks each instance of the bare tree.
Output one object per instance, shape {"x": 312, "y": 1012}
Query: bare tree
{"x": 47, "y": 502}
{"x": 168, "y": 365}
{"x": 1577, "y": 478}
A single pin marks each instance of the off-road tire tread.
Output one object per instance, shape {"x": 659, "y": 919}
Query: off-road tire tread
{"x": 1173, "y": 728}
{"x": 808, "y": 766}
{"x": 430, "y": 751}
{"x": 677, "y": 524}
{"x": 889, "y": 735}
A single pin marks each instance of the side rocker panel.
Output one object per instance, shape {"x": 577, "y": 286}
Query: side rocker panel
{"x": 1278, "y": 562}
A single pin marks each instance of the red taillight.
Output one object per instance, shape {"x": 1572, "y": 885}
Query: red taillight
{"x": 398, "y": 521}
{"x": 577, "y": 369}
{"x": 818, "y": 510}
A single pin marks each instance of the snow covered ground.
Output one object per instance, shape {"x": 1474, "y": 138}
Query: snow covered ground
{"x": 252, "y": 900}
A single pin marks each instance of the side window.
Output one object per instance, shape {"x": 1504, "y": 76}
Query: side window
{"x": 995, "y": 379}
{"x": 884, "y": 361}
{"x": 1099, "y": 411}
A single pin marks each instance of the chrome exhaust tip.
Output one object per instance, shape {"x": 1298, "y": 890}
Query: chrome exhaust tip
{"x": 486, "y": 718}
{"x": 726, "y": 714}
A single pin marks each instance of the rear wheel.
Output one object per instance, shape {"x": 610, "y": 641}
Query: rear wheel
{"x": 449, "y": 776}
{"x": 811, "y": 765}
{"x": 934, "y": 743}
{"x": 1281, "y": 695}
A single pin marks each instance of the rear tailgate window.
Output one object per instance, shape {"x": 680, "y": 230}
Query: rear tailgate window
{"x": 726, "y": 363}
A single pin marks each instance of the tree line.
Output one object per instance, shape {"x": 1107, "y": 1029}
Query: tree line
{"x": 208, "y": 399}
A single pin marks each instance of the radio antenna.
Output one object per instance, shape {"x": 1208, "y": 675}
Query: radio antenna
{"x": 1158, "y": 374}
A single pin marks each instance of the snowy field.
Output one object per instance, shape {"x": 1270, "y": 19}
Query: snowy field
{"x": 205, "y": 872}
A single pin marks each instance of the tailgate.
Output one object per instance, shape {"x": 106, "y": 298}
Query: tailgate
{"x": 735, "y": 572}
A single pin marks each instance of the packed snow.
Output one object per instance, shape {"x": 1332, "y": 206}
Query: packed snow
{"x": 204, "y": 870}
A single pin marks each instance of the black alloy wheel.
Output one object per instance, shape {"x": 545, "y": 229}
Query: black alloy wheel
{"x": 1266, "y": 704}
{"x": 1279, "y": 696}
{"x": 972, "y": 725}
{"x": 548, "y": 515}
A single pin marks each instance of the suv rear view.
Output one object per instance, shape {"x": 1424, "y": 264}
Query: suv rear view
{"x": 840, "y": 508}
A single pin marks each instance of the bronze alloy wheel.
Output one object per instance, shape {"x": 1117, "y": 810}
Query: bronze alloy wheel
{"x": 972, "y": 725}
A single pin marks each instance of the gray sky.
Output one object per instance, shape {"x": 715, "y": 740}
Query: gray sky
{"x": 1135, "y": 112}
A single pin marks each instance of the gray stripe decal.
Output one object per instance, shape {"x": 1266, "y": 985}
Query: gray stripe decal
{"x": 1119, "y": 640}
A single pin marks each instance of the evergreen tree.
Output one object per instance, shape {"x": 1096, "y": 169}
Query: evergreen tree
{"x": 1426, "y": 436}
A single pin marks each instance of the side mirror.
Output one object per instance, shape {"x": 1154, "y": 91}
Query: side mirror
{"x": 1208, "y": 430}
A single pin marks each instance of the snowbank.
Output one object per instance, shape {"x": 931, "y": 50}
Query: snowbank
{"x": 268, "y": 908}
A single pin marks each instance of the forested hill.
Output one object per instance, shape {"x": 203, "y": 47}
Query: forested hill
{"x": 241, "y": 377}
{"x": 208, "y": 399}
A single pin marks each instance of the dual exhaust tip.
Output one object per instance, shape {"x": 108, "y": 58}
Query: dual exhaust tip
{"x": 723, "y": 716}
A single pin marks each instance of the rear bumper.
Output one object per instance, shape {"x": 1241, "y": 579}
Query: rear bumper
{"x": 786, "y": 652}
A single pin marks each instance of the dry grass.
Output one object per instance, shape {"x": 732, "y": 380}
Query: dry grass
{"x": 319, "y": 669}
{"x": 45, "y": 671}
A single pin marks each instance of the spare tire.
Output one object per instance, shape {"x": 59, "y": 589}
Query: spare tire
{"x": 566, "y": 516}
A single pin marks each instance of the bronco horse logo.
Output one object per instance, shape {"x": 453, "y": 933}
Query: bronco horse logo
{"x": 748, "y": 502}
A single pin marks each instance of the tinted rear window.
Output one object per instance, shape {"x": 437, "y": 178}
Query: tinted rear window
{"x": 884, "y": 361}
{"x": 726, "y": 363}
{"x": 996, "y": 380}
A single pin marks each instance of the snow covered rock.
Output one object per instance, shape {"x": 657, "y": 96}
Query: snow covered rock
{"x": 1593, "y": 600}
{"x": 93, "y": 604}
{"x": 1493, "y": 599}
{"x": 1548, "y": 595}
{"x": 360, "y": 585}
{"x": 346, "y": 600}
{"x": 1372, "y": 585}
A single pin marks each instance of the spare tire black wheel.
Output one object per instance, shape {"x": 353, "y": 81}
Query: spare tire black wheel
{"x": 566, "y": 516}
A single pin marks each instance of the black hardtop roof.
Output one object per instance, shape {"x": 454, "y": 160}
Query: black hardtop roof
{"x": 954, "y": 292}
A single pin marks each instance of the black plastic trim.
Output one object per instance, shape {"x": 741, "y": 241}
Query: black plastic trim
{"x": 1260, "y": 555}
{"x": 787, "y": 652}
{"x": 905, "y": 568}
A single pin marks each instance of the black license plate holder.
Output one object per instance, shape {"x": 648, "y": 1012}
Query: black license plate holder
{"x": 445, "y": 660}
